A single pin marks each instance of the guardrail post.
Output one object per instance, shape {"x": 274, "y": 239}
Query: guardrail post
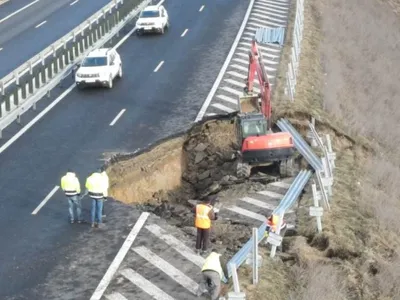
{"x": 317, "y": 211}
{"x": 2, "y": 88}
{"x": 255, "y": 256}
{"x": 327, "y": 179}
{"x": 236, "y": 294}
{"x": 310, "y": 135}
{"x": 331, "y": 154}
{"x": 16, "y": 76}
{"x": 42, "y": 59}
{"x": 30, "y": 68}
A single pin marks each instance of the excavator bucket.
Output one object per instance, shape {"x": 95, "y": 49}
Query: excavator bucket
{"x": 249, "y": 104}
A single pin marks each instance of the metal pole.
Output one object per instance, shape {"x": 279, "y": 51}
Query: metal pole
{"x": 255, "y": 256}
{"x": 235, "y": 278}
{"x": 316, "y": 204}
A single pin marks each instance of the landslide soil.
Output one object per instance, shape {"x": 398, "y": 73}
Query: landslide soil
{"x": 192, "y": 166}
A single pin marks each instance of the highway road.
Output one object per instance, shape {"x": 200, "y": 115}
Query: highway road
{"x": 166, "y": 79}
{"x": 27, "y": 27}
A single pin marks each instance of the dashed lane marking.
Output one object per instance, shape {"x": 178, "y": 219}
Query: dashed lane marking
{"x": 119, "y": 257}
{"x": 201, "y": 8}
{"x": 41, "y": 24}
{"x": 117, "y": 117}
{"x": 176, "y": 244}
{"x": 158, "y": 66}
{"x": 18, "y": 11}
{"x": 49, "y": 195}
{"x": 167, "y": 268}
{"x": 184, "y": 33}
{"x": 73, "y": 3}
{"x": 145, "y": 285}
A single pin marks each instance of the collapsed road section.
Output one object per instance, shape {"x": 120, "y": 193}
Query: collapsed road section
{"x": 166, "y": 180}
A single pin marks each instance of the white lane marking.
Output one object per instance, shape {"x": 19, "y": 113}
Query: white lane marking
{"x": 177, "y": 244}
{"x": 258, "y": 203}
{"x": 158, "y": 66}
{"x": 221, "y": 74}
{"x": 223, "y": 107}
{"x": 124, "y": 38}
{"x": 54, "y": 103}
{"x": 34, "y": 120}
{"x": 247, "y": 213}
{"x": 281, "y": 184}
{"x": 184, "y": 33}
{"x": 167, "y": 268}
{"x": 201, "y": 8}
{"x": 272, "y": 16}
{"x": 117, "y": 117}
{"x": 72, "y": 3}
{"x": 49, "y": 195}
{"x": 145, "y": 285}
{"x": 238, "y": 75}
{"x": 271, "y": 194}
{"x": 242, "y": 85}
{"x": 264, "y": 47}
{"x": 239, "y": 68}
{"x": 232, "y": 91}
{"x": 119, "y": 257}
{"x": 41, "y": 24}
{"x": 227, "y": 99}
{"x": 3, "y": 1}
{"x": 211, "y": 114}
{"x": 18, "y": 11}
{"x": 246, "y": 62}
{"x": 116, "y": 296}
{"x": 271, "y": 21}
{"x": 1, "y": 49}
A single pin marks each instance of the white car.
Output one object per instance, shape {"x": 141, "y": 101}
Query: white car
{"x": 99, "y": 68}
{"x": 153, "y": 18}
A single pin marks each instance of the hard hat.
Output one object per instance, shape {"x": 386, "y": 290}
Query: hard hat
{"x": 275, "y": 219}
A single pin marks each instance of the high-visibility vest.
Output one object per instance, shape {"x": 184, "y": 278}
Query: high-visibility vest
{"x": 202, "y": 219}
{"x": 274, "y": 223}
{"x": 95, "y": 186}
{"x": 70, "y": 184}
{"x": 106, "y": 183}
{"x": 213, "y": 263}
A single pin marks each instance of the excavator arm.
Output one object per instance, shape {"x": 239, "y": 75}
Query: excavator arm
{"x": 256, "y": 65}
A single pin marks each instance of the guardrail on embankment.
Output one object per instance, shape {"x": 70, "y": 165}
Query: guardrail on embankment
{"x": 293, "y": 65}
{"x": 21, "y": 89}
{"x": 323, "y": 168}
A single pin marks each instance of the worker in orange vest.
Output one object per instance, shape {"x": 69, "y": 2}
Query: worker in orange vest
{"x": 204, "y": 214}
{"x": 272, "y": 224}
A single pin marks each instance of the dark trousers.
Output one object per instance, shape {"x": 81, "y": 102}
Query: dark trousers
{"x": 203, "y": 235}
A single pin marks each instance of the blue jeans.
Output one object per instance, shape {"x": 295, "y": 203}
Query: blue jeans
{"x": 75, "y": 201}
{"x": 97, "y": 208}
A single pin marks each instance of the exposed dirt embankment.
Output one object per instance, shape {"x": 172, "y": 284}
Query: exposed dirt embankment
{"x": 166, "y": 176}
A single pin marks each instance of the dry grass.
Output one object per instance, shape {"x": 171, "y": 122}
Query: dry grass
{"x": 355, "y": 101}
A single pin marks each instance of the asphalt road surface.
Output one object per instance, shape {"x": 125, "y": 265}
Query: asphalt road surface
{"x": 28, "y": 27}
{"x": 76, "y": 133}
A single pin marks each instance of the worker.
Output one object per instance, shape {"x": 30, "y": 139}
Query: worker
{"x": 95, "y": 186}
{"x": 213, "y": 273}
{"x": 72, "y": 188}
{"x": 272, "y": 224}
{"x": 106, "y": 186}
{"x": 204, "y": 213}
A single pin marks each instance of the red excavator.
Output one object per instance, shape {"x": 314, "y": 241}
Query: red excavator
{"x": 259, "y": 145}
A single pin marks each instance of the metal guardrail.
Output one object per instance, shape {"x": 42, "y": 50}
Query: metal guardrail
{"x": 286, "y": 203}
{"x": 301, "y": 145}
{"x": 29, "y": 92}
{"x": 51, "y": 50}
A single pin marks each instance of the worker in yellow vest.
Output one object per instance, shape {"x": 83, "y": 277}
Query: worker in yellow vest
{"x": 72, "y": 188}
{"x": 204, "y": 214}
{"x": 106, "y": 186}
{"x": 213, "y": 273}
{"x": 95, "y": 186}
